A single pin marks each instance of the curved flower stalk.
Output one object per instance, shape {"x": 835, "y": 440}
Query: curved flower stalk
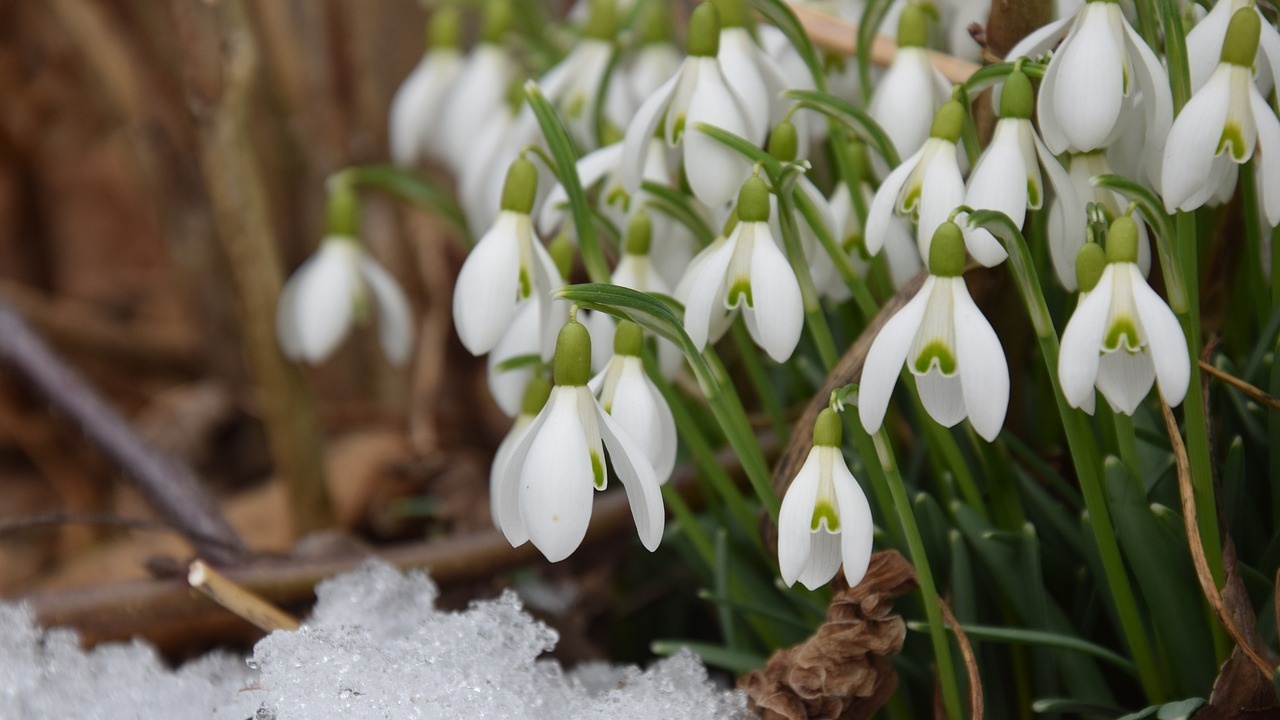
{"x": 627, "y": 394}
{"x": 927, "y": 186}
{"x": 1221, "y": 126}
{"x": 912, "y": 89}
{"x": 331, "y": 291}
{"x": 534, "y": 398}
{"x": 574, "y": 85}
{"x": 418, "y": 105}
{"x": 1088, "y": 94}
{"x": 1081, "y": 169}
{"x": 1007, "y": 177}
{"x": 946, "y": 343}
{"x": 481, "y": 87}
{"x": 1122, "y": 336}
{"x": 545, "y": 491}
{"x": 745, "y": 271}
{"x": 1205, "y": 43}
{"x": 749, "y": 70}
{"x": 508, "y": 265}
{"x": 698, "y": 93}
{"x": 825, "y": 517}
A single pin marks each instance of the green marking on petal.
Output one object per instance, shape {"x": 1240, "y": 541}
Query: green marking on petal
{"x": 1033, "y": 194}
{"x": 824, "y": 512}
{"x": 1233, "y": 136}
{"x": 937, "y": 352}
{"x": 911, "y": 200}
{"x": 678, "y": 131}
{"x": 854, "y": 241}
{"x": 1122, "y": 330}
{"x": 619, "y": 196}
{"x": 740, "y": 291}
{"x": 526, "y": 284}
{"x": 576, "y": 105}
{"x": 597, "y": 470}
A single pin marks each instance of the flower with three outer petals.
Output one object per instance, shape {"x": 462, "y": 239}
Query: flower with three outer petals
{"x": 946, "y": 343}
{"x": 749, "y": 70}
{"x": 1088, "y": 93}
{"x": 912, "y": 89}
{"x": 330, "y": 291}
{"x": 416, "y": 110}
{"x": 1007, "y": 177}
{"x": 1221, "y": 126}
{"x": 926, "y": 186}
{"x": 1205, "y": 42}
{"x": 636, "y": 271}
{"x": 545, "y": 493}
{"x": 534, "y": 398}
{"x": 631, "y": 398}
{"x": 1122, "y": 336}
{"x": 745, "y": 271}
{"x": 481, "y": 88}
{"x": 825, "y": 517}
{"x": 508, "y": 265}
{"x": 697, "y": 94}
{"x": 574, "y": 85}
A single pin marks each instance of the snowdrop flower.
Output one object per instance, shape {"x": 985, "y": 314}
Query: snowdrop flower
{"x": 825, "y": 517}
{"x": 481, "y": 87}
{"x": 946, "y": 343}
{"x": 627, "y": 394}
{"x": 1205, "y": 42}
{"x": 749, "y": 70}
{"x": 1221, "y": 126}
{"x": 698, "y": 93}
{"x": 912, "y": 89}
{"x": 534, "y": 399}
{"x": 1088, "y": 93}
{"x": 746, "y": 271}
{"x": 636, "y": 271}
{"x": 419, "y": 103}
{"x": 1008, "y": 178}
{"x": 656, "y": 59}
{"x": 1122, "y": 336}
{"x": 545, "y": 493}
{"x": 574, "y": 85}
{"x": 506, "y": 266}
{"x": 927, "y": 186}
{"x": 329, "y": 292}
{"x": 899, "y": 248}
{"x": 1081, "y": 169}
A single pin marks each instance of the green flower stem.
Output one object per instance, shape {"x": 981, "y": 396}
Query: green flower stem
{"x": 1275, "y": 269}
{"x": 765, "y": 390}
{"x": 689, "y": 523}
{"x": 1126, "y": 441}
{"x": 1084, "y": 451}
{"x": 1147, "y": 24}
{"x": 1252, "y": 266}
{"x": 915, "y": 543}
{"x": 406, "y": 187}
{"x": 814, "y": 319}
{"x": 848, "y": 273}
{"x": 879, "y": 486}
{"x": 941, "y": 440}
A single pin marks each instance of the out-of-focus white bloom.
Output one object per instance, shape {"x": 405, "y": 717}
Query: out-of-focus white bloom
{"x": 508, "y": 265}
{"x": 1090, "y": 88}
{"x": 825, "y": 517}
{"x": 627, "y": 393}
{"x": 1008, "y": 178}
{"x": 697, "y": 94}
{"x": 1205, "y": 42}
{"x": 946, "y": 343}
{"x": 545, "y": 493}
{"x": 573, "y": 86}
{"x": 746, "y": 271}
{"x": 749, "y": 70}
{"x": 926, "y": 186}
{"x": 418, "y": 105}
{"x": 329, "y": 292}
{"x": 1122, "y": 336}
{"x": 1221, "y": 126}
{"x": 480, "y": 89}
{"x": 911, "y": 91}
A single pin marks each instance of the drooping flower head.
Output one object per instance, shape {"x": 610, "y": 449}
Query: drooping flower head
{"x": 416, "y": 110}
{"x": 627, "y": 393}
{"x": 912, "y": 89}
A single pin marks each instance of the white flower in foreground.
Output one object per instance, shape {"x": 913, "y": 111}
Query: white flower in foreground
{"x": 946, "y": 343}
{"x": 534, "y": 398}
{"x": 418, "y": 105}
{"x": 627, "y": 393}
{"x": 912, "y": 89}
{"x": 329, "y": 292}
{"x": 1081, "y": 169}
{"x": 927, "y": 186}
{"x": 1007, "y": 177}
{"x": 1122, "y": 336}
{"x": 749, "y": 70}
{"x": 481, "y": 87}
{"x": 1205, "y": 42}
{"x": 506, "y": 266}
{"x": 825, "y": 517}
{"x": 697, "y": 94}
{"x": 545, "y": 494}
{"x": 746, "y": 271}
{"x": 1221, "y": 126}
{"x": 1089, "y": 92}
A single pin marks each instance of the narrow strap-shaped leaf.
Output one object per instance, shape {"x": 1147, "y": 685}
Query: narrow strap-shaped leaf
{"x": 852, "y": 116}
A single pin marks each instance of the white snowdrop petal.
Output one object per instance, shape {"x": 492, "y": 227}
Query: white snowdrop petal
{"x": 901, "y": 251}
{"x": 486, "y": 293}
{"x": 794, "y": 535}
{"x": 287, "y": 317}
{"x": 633, "y": 407}
{"x": 886, "y": 357}
{"x": 395, "y": 319}
{"x": 552, "y": 312}
{"x": 942, "y": 397}
{"x": 984, "y": 371}
{"x": 777, "y": 308}
{"x": 1038, "y": 42}
{"x": 1157, "y": 98}
{"x": 824, "y": 559}
{"x": 881, "y": 210}
{"x": 323, "y": 298}
{"x": 591, "y": 168}
{"x": 705, "y": 300}
{"x": 1066, "y": 219}
{"x": 637, "y": 475}
{"x": 1082, "y": 342}
{"x": 1204, "y": 43}
{"x": 902, "y": 103}
{"x": 1167, "y": 344}
{"x": 501, "y": 463}
{"x": 522, "y": 338}
{"x": 998, "y": 182}
{"x": 635, "y": 142}
{"x": 556, "y": 479}
{"x": 1047, "y": 110}
{"x": 715, "y": 171}
{"x": 1089, "y": 89}
{"x": 943, "y": 192}
{"x": 480, "y": 88}
{"x": 1193, "y": 145}
{"x": 601, "y": 327}
{"x": 510, "y": 519}
{"x": 856, "y": 527}
{"x": 1124, "y": 378}
{"x": 1267, "y": 160}
{"x": 737, "y": 60}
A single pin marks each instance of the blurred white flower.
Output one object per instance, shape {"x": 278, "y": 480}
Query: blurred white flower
{"x": 416, "y": 109}
{"x": 480, "y": 89}
{"x": 911, "y": 91}
{"x": 1205, "y": 41}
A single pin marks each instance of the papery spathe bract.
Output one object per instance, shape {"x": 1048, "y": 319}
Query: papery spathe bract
{"x": 331, "y": 291}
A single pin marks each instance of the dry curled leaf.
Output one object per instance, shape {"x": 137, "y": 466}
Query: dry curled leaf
{"x": 842, "y": 672}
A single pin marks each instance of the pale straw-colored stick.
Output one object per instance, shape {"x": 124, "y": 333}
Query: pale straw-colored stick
{"x": 220, "y": 589}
